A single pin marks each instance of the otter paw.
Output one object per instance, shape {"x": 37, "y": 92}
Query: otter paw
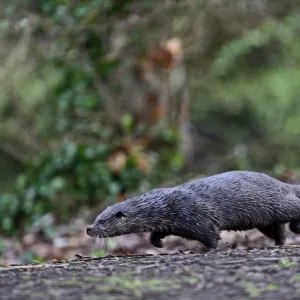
{"x": 155, "y": 239}
{"x": 157, "y": 243}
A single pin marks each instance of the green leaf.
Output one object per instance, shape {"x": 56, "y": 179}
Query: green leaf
{"x": 127, "y": 122}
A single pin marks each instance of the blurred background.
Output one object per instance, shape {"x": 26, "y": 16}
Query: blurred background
{"x": 104, "y": 99}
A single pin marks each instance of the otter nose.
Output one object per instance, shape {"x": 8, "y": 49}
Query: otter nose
{"x": 89, "y": 229}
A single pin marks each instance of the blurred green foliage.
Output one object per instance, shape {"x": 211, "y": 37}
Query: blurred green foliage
{"x": 250, "y": 97}
{"x": 58, "y": 101}
{"x": 245, "y": 98}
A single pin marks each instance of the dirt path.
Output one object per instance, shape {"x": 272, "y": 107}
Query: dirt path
{"x": 272, "y": 273}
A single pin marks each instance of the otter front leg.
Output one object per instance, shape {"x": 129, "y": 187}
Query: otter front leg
{"x": 210, "y": 240}
{"x": 156, "y": 237}
{"x": 209, "y": 236}
{"x": 275, "y": 232}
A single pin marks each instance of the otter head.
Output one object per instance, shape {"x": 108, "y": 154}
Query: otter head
{"x": 158, "y": 210}
{"x": 111, "y": 222}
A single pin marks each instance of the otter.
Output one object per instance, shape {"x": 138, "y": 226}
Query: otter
{"x": 200, "y": 210}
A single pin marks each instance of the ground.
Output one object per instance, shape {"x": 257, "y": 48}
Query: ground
{"x": 266, "y": 273}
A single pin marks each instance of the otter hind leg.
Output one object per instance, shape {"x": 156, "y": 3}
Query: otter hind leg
{"x": 156, "y": 237}
{"x": 295, "y": 226}
{"x": 275, "y": 232}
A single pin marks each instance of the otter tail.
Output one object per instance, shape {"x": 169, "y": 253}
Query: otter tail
{"x": 295, "y": 224}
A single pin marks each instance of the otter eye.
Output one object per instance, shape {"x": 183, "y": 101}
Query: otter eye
{"x": 119, "y": 215}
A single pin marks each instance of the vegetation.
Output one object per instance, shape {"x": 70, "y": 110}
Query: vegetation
{"x": 253, "y": 95}
{"x": 71, "y": 123}
{"x": 74, "y": 154}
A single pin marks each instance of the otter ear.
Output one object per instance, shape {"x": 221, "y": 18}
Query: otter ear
{"x": 120, "y": 215}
